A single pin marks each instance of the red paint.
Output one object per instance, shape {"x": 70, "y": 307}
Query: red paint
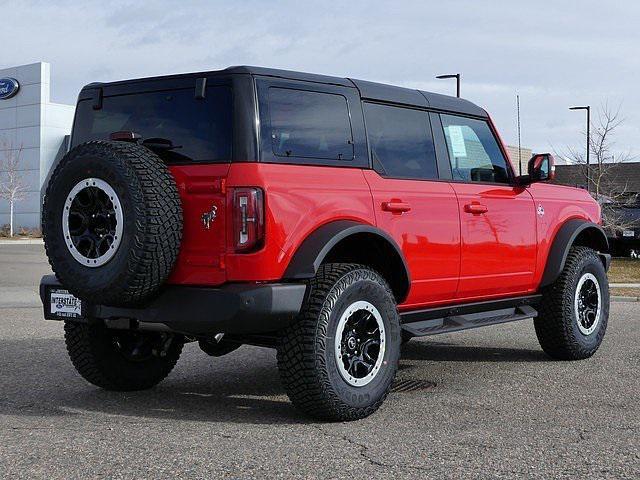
{"x": 461, "y": 241}
{"x": 202, "y": 251}
{"x": 498, "y": 231}
{"x": 428, "y": 234}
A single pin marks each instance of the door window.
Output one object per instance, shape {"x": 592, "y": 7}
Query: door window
{"x": 400, "y": 141}
{"x": 473, "y": 151}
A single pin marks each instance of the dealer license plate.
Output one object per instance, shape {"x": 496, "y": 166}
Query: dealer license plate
{"x": 63, "y": 304}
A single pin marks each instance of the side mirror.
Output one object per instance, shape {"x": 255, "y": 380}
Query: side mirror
{"x": 541, "y": 167}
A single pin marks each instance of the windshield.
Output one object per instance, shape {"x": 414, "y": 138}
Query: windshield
{"x": 173, "y": 123}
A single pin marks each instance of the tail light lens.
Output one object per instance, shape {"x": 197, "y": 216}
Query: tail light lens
{"x": 248, "y": 219}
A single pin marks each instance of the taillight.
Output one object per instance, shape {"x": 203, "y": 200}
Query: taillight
{"x": 248, "y": 218}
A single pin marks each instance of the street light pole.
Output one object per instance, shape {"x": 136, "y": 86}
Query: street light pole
{"x": 588, "y": 109}
{"x": 457, "y": 76}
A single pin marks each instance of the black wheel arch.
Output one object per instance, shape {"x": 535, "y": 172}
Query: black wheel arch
{"x": 575, "y": 231}
{"x": 352, "y": 242}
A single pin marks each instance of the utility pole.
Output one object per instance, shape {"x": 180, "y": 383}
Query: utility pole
{"x": 519, "y": 144}
{"x": 588, "y": 109}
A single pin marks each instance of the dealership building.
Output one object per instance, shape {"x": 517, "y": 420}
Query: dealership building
{"x": 34, "y": 131}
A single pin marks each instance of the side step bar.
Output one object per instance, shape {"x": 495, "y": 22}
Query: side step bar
{"x": 463, "y": 317}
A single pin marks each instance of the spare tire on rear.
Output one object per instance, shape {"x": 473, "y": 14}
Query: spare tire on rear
{"x": 112, "y": 222}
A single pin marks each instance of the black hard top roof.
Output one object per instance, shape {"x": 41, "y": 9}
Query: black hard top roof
{"x": 374, "y": 91}
{"x": 368, "y": 90}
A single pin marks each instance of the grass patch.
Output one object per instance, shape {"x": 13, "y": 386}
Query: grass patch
{"x": 626, "y": 292}
{"x": 624, "y": 270}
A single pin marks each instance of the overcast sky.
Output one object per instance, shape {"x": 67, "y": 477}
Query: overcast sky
{"x": 553, "y": 53}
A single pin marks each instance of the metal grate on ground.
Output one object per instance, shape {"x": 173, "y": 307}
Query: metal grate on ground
{"x": 410, "y": 385}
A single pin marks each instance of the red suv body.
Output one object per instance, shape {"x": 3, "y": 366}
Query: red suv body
{"x": 281, "y": 174}
{"x": 452, "y": 254}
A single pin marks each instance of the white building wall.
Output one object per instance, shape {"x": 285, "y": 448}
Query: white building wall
{"x": 34, "y": 126}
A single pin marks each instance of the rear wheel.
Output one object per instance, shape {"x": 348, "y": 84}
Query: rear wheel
{"x": 339, "y": 359}
{"x": 573, "y": 316}
{"x": 121, "y": 359}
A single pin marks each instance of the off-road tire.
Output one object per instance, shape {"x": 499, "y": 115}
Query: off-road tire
{"x": 152, "y": 223}
{"x": 306, "y": 354}
{"x": 96, "y": 357}
{"x": 556, "y": 324}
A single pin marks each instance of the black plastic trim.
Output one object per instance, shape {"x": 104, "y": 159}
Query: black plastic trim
{"x": 318, "y": 244}
{"x": 468, "y": 308}
{"x": 563, "y": 241}
{"x": 232, "y": 308}
{"x": 440, "y": 143}
{"x": 466, "y": 321}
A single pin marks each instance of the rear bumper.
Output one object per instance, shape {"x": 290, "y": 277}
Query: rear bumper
{"x": 232, "y": 309}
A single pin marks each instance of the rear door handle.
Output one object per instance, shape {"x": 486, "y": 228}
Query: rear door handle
{"x": 475, "y": 208}
{"x": 396, "y": 206}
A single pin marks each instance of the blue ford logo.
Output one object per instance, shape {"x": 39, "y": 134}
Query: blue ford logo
{"x": 8, "y": 88}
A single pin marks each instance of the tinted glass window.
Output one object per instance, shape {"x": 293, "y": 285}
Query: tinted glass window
{"x": 400, "y": 141}
{"x": 310, "y": 124}
{"x": 473, "y": 150}
{"x": 177, "y": 126}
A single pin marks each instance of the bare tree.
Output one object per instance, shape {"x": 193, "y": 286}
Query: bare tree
{"x": 604, "y": 176}
{"x": 12, "y": 187}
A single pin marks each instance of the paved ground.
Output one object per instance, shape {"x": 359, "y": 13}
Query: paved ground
{"x": 500, "y": 409}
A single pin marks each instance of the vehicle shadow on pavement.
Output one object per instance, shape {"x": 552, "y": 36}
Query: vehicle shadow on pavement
{"x": 242, "y": 387}
{"x": 449, "y": 352}
{"x": 38, "y": 380}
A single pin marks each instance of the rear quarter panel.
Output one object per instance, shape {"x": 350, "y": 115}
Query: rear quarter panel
{"x": 560, "y": 203}
{"x": 298, "y": 200}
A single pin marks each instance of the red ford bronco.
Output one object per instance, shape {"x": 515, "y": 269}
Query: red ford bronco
{"x": 329, "y": 218}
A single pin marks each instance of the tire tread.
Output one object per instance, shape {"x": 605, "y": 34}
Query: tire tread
{"x": 301, "y": 352}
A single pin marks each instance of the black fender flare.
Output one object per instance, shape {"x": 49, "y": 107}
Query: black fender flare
{"x": 312, "y": 251}
{"x": 563, "y": 241}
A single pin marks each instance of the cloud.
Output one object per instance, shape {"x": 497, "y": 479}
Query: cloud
{"x": 553, "y": 54}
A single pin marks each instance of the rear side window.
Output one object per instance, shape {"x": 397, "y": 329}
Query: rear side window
{"x": 310, "y": 124}
{"x": 473, "y": 151}
{"x": 401, "y": 142}
{"x": 180, "y": 128}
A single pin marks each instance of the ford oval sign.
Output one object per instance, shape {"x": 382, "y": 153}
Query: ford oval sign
{"x": 8, "y": 88}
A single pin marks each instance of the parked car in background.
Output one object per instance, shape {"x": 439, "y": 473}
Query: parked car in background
{"x": 622, "y": 224}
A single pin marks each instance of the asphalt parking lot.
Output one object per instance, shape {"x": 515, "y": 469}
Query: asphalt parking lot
{"x": 499, "y": 409}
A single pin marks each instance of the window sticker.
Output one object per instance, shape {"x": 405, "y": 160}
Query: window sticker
{"x": 456, "y": 137}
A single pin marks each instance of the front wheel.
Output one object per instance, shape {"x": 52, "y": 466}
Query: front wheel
{"x": 574, "y": 312}
{"x": 338, "y": 361}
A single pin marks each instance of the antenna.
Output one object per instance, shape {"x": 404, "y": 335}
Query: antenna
{"x": 519, "y": 145}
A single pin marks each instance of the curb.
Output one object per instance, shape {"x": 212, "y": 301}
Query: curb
{"x": 23, "y": 241}
{"x": 620, "y": 298}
